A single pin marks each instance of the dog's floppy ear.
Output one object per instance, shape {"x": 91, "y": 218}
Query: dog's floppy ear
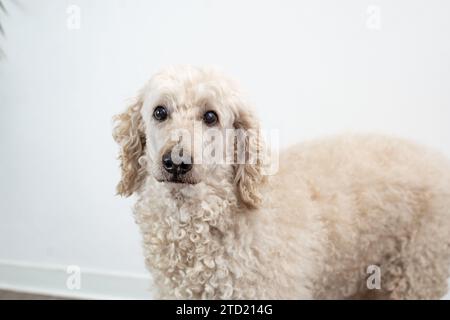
{"x": 248, "y": 175}
{"x": 129, "y": 134}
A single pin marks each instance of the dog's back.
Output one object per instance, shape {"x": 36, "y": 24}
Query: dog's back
{"x": 377, "y": 202}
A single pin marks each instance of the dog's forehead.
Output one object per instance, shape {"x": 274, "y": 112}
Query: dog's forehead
{"x": 185, "y": 92}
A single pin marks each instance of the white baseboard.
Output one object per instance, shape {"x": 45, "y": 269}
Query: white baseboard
{"x": 52, "y": 280}
{"x": 95, "y": 284}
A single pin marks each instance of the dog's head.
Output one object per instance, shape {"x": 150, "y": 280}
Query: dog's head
{"x": 190, "y": 125}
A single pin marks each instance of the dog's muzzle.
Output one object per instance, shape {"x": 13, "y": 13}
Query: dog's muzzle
{"x": 177, "y": 167}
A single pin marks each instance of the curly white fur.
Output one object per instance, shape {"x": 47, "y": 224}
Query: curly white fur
{"x": 335, "y": 207}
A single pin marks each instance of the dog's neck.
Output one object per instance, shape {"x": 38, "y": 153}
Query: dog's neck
{"x": 189, "y": 229}
{"x": 213, "y": 205}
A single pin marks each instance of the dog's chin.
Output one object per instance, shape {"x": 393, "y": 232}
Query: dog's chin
{"x": 177, "y": 180}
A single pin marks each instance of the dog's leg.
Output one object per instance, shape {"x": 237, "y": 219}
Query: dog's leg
{"x": 422, "y": 268}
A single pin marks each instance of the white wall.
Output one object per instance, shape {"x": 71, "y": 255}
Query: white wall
{"x": 311, "y": 67}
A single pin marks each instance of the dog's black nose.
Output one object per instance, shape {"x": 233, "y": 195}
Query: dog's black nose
{"x": 172, "y": 167}
{"x": 167, "y": 162}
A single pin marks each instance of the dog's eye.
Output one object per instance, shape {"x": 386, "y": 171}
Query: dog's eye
{"x": 160, "y": 113}
{"x": 210, "y": 118}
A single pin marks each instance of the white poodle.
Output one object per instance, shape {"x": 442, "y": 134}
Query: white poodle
{"x": 347, "y": 217}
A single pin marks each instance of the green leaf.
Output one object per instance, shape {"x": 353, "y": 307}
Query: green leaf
{"x": 2, "y": 7}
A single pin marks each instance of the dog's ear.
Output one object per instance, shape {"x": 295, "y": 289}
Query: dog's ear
{"x": 248, "y": 176}
{"x": 129, "y": 133}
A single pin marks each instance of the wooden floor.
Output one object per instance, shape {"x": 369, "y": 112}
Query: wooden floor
{"x": 13, "y": 295}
